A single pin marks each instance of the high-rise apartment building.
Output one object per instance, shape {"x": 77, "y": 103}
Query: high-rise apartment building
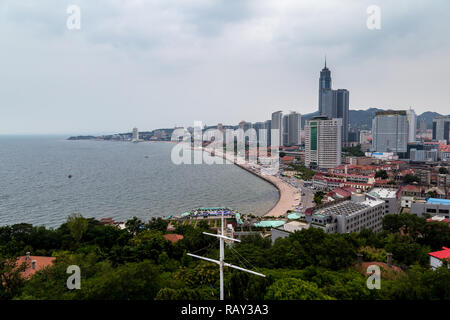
{"x": 341, "y": 99}
{"x": 268, "y": 125}
{"x": 423, "y": 126}
{"x": 323, "y": 142}
{"x": 285, "y": 130}
{"x": 295, "y": 128}
{"x": 390, "y": 131}
{"x": 441, "y": 128}
{"x": 259, "y": 127}
{"x": 277, "y": 124}
{"x": 412, "y": 123}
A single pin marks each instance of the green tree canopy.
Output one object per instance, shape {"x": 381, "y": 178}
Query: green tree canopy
{"x": 295, "y": 289}
{"x": 382, "y": 174}
{"x": 77, "y": 226}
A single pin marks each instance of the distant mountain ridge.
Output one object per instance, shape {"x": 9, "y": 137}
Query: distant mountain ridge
{"x": 362, "y": 119}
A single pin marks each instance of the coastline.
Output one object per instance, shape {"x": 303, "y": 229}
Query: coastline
{"x": 289, "y": 197}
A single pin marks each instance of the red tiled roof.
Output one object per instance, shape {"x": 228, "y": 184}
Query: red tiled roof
{"x": 41, "y": 263}
{"x": 443, "y": 220}
{"x": 380, "y": 181}
{"x": 443, "y": 254}
{"x": 411, "y": 188}
{"x": 288, "y": 158}
{"x": 342, "y": 192}
{"x": 349, "y": 189}
{"x": 172, "y": 237}
{"x": 106, "y": 221}
{"x": 365, "y": 265}
{"x": 354, "y": 175}
{"x": 357, "y": 184}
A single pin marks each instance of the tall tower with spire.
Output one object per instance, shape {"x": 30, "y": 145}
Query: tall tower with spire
{"x": 333, "y": 103}
{"x": 324, "y": 85}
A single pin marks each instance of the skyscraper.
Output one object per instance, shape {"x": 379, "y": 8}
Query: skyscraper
{"x": 277, "y": 124}
{"x": 295, "y": 127}
{"x": 333, "y": 103}
{"x": 285, "y": 130}
{"x": 423, "y": 126}
{"x": 268, "y": 124}
{"x": 412, "y": 122}
{"x": 390, "y": 131}
{"x": 259, "y": 127}
{"x": 441, "y": 127}
{"x": 341, "y": 110}
{"x": 323, "y": 143}
{"x": 324, "y": 87}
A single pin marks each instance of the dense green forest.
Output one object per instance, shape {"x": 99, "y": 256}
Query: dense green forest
{"x": 139, "y": 263}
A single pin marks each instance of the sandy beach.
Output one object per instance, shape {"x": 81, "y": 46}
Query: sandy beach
{"x": 289, "y": 196}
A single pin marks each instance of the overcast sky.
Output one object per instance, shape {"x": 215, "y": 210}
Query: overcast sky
{"x": 161, "y": 63}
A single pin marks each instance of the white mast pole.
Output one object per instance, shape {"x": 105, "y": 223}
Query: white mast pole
{"x": 221, "y": 261}
{"x": 222, "y": 256}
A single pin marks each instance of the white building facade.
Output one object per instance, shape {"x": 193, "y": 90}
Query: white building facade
{"x": 323, "y": 142}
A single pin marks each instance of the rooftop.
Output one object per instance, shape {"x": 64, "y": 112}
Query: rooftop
{"x": 270, "y": 223}
{"x": 383, "y": 265}
{"x": 438, "y": 219}
{"x": 383, "y": 193}
{"x": 443, "y": 254}
{"x": 439, "y": 201}
{"x": 347, "y": 207}
{"x": 294, "y": 226}
{"x": 172, "y": 237}
{"x": 391, "y": 113}
{"x": 411, "y": 188}
{"x": 40, "y": 263}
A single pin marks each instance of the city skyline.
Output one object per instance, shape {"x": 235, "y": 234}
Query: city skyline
{"x": 211, "y": 61}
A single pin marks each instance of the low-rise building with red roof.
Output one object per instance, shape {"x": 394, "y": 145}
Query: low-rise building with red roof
{"x": 173, "y": 237}
{"x": 34, "y": 264}
{"x": 288, "y": 160}
{"x": 439, "y": 219}
{"x": 437, "y": 258}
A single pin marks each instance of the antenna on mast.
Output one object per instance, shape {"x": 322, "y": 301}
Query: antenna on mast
{"x": 221, "y": 261}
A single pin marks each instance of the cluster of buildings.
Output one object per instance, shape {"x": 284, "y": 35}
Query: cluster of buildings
{"x": 356, "y": 194}
{"x": 396, "y": 132}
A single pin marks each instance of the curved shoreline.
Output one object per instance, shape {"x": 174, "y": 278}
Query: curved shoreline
{"x": 289, "y": 197}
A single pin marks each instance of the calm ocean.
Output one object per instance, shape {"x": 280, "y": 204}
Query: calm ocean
{"x": 115, "y": 179}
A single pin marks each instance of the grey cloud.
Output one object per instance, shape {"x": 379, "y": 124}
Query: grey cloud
{"x": 176, "y": 61}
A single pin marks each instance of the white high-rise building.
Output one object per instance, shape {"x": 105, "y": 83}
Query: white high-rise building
{"x": 323, "y": 142}
{"x": 277, "y": 124}
{"x": 135, "y": 136}
{"x": 364, "y": 136}
{"x": 412, "y": 122}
